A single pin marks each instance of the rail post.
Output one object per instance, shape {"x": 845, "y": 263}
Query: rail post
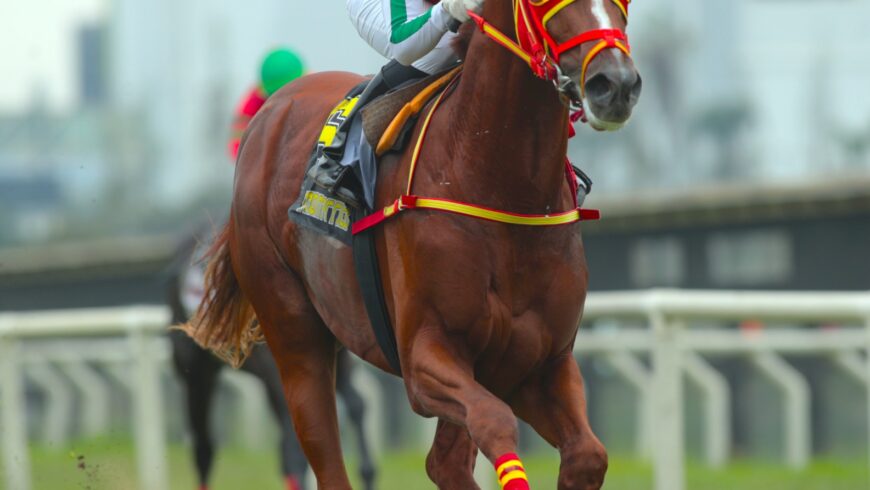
{"x": 638, "y": 376}
{"x": 252, "y": 413}
{"x": 16, "y": 459}
{"x": 95, "y": 396}
{"x": 867, "y": 369}
{"x": 669, "y": 457}
{"x": 796, "y": 394}
{"x": 147, "y": 407}
{"x": 717, "y": 408}
{"x": 60, "y": 402}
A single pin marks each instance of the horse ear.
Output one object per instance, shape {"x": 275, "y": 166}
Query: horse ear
{"x": 463, "y": 40}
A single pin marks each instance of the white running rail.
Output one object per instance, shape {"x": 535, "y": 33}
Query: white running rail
{"x": 143, "y": 326}
{"x": 54, "y": 348}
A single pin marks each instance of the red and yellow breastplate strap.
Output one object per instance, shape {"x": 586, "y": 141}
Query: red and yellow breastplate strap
{"x": 410, "y": 201}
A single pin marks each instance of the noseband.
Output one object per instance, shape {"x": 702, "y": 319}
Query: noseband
{"x": 541, "y": 52}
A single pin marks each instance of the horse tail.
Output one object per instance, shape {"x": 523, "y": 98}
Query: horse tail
{"x": 225, "y": 322}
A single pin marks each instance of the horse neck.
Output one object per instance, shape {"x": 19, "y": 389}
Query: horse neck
{"x": 509, "y": 128}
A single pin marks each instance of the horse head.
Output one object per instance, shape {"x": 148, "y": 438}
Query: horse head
{"x": 599, "y": 58}
{"x": 581, "y": 46}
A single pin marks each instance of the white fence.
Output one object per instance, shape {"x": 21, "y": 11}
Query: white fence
{"x": 142, "y": 326}
{"x": 664, "y": 315}
{"x": 674, "y": 350}
{"x": 57, "y": 353}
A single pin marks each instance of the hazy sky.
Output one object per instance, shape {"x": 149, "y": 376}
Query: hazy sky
{"x": 38, "y": 49}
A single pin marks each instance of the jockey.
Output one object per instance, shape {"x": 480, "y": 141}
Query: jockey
{"x": 415, "y": 35}
{"x": 411, "y": 32}
{"x": 279, "y": 67}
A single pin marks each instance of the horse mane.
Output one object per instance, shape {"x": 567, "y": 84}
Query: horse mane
{"x": 463, "y": 39}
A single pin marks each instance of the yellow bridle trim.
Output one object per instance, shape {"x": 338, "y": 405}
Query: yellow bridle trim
{"x": 622, "y": 8}
{"x": 507, "y": 42}
{"x": 521, "y": 14}
{"x": 555, "y": 10}
{"x": 564, "y": 3}
{"x": 601, "y": 46}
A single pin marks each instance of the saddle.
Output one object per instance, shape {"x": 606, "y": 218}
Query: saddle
{"x": 383, "y": 125}
{"x": 385, "y": 120}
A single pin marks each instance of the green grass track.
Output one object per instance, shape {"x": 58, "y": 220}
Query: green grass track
{"x": 108, "y": 464}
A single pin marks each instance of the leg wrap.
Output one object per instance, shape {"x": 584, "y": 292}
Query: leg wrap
{"x": 510, "y": 472}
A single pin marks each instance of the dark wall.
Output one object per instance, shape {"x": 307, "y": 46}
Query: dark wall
{"x": 117, "y": 286}
{"x": 827, "y": 253}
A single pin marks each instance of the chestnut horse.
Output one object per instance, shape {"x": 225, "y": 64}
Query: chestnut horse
{"x": 485, "y": 313}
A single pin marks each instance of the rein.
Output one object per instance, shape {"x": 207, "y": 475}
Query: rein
{"x": 410, "y": 201}
{"x": 537, "y": 48}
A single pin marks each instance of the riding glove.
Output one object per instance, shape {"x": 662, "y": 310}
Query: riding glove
{"x": 458, "y": 9}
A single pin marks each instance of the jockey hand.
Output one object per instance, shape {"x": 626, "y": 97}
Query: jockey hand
{"x": 458, "y": 9}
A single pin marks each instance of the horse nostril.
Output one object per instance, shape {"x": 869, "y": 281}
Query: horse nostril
{"x": 600, "y": 88}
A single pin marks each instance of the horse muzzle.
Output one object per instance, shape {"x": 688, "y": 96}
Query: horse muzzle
{"x": 610, "y": 93}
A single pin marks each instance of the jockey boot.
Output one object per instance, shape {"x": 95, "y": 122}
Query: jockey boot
{"x": 390, "y": 76}
{"x": 327, "y": 171}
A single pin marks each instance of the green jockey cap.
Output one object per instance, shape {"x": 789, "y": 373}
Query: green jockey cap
{"x": 280, "y": 67}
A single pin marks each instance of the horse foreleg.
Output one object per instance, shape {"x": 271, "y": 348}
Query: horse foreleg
{"x": 356, "y": 410}
{"x": 450, "y": 463}
{"x": 441, "y": 382}
{"x": 554, "y": 404}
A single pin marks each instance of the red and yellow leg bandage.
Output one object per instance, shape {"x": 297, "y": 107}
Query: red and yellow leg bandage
{"x": 510, "y": 472}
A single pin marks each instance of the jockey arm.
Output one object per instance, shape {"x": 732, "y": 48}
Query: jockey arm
{"x": 412, "y": 38}
{"x": 250, "y": 104}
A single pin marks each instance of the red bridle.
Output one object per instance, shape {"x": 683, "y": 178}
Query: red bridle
{"x": 540, "y": 51}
